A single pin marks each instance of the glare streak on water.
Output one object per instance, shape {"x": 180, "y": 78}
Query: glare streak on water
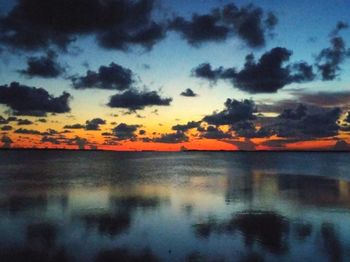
{"x": 188, "y": 206}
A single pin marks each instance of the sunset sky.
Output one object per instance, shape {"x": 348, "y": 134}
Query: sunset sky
{"x": 175, "y": 74}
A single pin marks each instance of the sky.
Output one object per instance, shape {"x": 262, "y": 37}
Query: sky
{"x": 175, "y": 75}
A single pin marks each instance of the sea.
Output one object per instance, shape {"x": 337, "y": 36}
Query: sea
{"x": 174, "y": 206}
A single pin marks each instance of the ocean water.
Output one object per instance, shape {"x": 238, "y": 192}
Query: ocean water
{"x": 186, "y": 206}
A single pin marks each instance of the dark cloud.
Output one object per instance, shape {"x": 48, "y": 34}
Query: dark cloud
{"x": 324, "y": 99}
{"x": 268, "y": 75}
{"x": 245, "y": 145}
{"x": 329, "y": 59}
{"x": 74, "y": 126}
{"x": 341, "y": 145}
{"x": 235, "y": 111}
{"x": 7, "y": 141}
{"x": 27, "y": 131}
{"x": 117, "y": 24}
{"x": 23, "y": 122}
{"x": 172, "y": 138}
{"x": 249, "y": 130}
{"x": 44, "y": 66}
{"x": 249, "y": 23}
{"x": 3, "y": 121}
{"x": 6, "y": 128}
{"x": 301, "y": 124}
{"x": 25, "y": 100}
{"x": 80, "y": 142}
{"x": 188, "y": 92}
{"x": 205, "y": 71}
{"x": 108, "y": 77}
{"x": 186, "y": 127}
{"x": 296, "y": 114}
{"x": 125, "y": 132}
{"x": 134, "y": 100}
{"x": 52, "y": 140}
{"x": 94, "y": 124}
{"x": 142, "y": 132}
{"x": 215, "y": 133}
{"x": 201, "y": 28}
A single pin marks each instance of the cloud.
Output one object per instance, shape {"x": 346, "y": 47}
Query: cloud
{"x": 25, "y": 100}
{"x": 74, "y": 126}
{"x": 249, "y": 23}
{"x": 80, "y": 142}
{"x": 6, "y": 128}
{"x": 113, "y": 77}
{"x": 7, "y": 141}
{"x": 23, "y": 122}
{"x": 188, "y": 93}
{"x": 94, "y": 124}
{"x": 235, "y": 111}
{"x": 248, "y": 129}
{"x": 135, "y": 100}
{"x": 341, "y": 145}
{"x": 206, "y": 72}
{"x": 44, "y": 66}
{"x": 245, "y": 145}
{"x": 325, "y": 98}
{"x": 296, "y": 114}
{"x": 125, "y": 132}
{"x": 299, "y": 124}
{"x": 215, "y": 133}
{"x": 116, "y": 24}
{"x": 329, "y": 59}
{"x": 186, "y": 127}
{"x": 172, "y": 138}
{"x": 52, "y": 140}
{"x": 3, "y": 120}
{"x": 27, "y": 131}
{"x": 268, "y": 75}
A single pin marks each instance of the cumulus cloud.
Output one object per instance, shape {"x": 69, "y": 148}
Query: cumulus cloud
{"x": 125, "y": 132}
{"x": 111, "y": 77}
{"x": 213, "y": 132}
{"x": 302, "y": 124}
{"x": 25, "y": 100}
{"x": 172, "y": 138}
{"x": 248, "y": 129}
{"x": 135, "y": 100}
{"x": 267, "y": 75}
{"x": 44, "y": 66}
{"x": 188, "y": 93}
{"x": 186, "y": 127}
{"x": 235, "y": 111}
{"x": 94, "y": 124}
{"x": 116, "y": 24}
{"x": 329, "y": 59}
{"x": 249, "y": 23}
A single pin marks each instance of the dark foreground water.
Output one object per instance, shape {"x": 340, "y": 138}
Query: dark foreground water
{"x": 107, "y": 206}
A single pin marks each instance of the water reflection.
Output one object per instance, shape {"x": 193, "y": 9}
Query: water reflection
{"x": 173, "y": 207}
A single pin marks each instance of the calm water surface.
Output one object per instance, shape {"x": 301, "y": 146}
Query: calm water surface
{"x": 193, "y": 206}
